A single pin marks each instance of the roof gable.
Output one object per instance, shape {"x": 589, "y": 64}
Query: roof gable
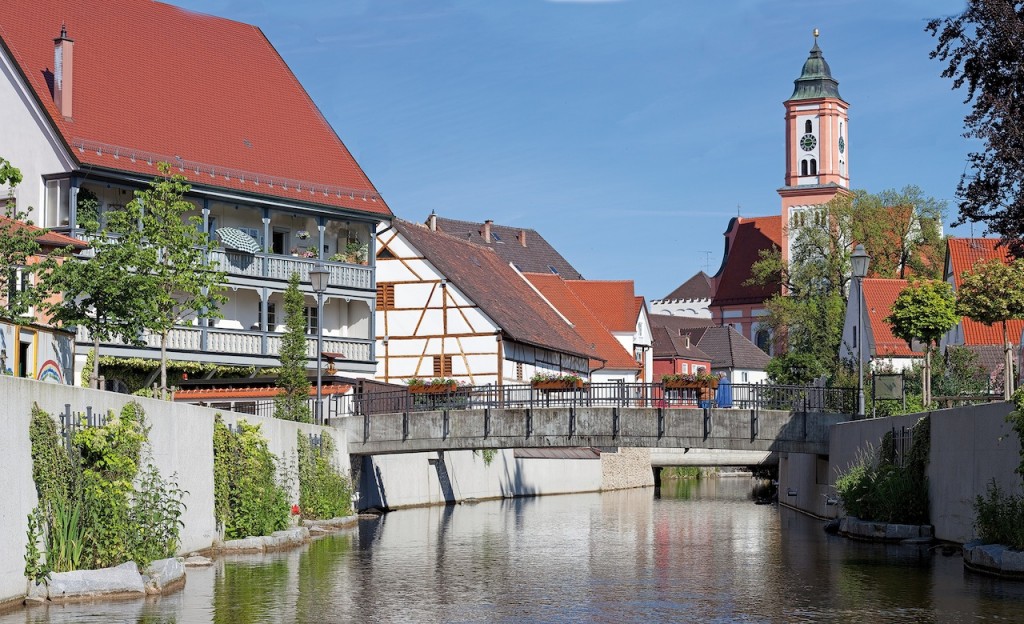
{"x": 612, "y": 301}
{"x": 500, "y": 292}
{"x": 963, "y": 253}
{"x": 696, "y": 288}
{"x": 537, "y": 256}
{"x": 879, "y": 297}
{"x": 752, "y": 237}
{"x": 156, "y": 82}
{"x": 557, "y": 292}
{"x": 725, "y": 347}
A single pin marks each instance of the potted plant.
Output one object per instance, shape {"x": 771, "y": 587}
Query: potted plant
{"x": 438, "y": 385}
{"x": 681, "y": 381}
{"x": 309, "y": 252}
{"x": 302, "y": 234}
{"x": 552, "y": 382}
{"x": 354, "y": 253}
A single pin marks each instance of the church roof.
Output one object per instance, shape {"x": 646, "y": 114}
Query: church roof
{"x": 154, "y": 82}
{"x": 753, "y": 235}
{"x": 815, "y": 79}
{"x": 697, "y": 287}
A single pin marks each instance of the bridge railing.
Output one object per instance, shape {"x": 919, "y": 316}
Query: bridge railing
{"x": 656, "y": 395}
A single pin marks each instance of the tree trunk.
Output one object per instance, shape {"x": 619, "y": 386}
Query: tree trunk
{"x": 95, "y": 381}
{"x": 1007, "y": 364}
{"x": 163, "y": 365}
{"x": 926, "y": 379}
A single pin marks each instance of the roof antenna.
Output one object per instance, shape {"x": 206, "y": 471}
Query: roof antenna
{"x": 707, "y": 260}
{"x": 738, "y": 210}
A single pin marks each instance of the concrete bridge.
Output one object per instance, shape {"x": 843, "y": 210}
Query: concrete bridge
{"x": 569, "y": 426}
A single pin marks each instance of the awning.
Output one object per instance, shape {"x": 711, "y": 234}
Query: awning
{"x": 234, "y": 238}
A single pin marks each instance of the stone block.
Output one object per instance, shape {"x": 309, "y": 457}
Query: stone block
{"x": 83, "y": 584}
{"x": 198, "y": 561}
{"x": 246, "y": 543}
{"x": 36, "y": 593}
{"x": 1013, "y": 561}
{"x": 164, "y": 574}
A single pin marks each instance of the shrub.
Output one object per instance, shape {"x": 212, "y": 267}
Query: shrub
{"x": 247, "y": 498}
{"x": 323, "y": 491}
{"x": 999, "y": 517}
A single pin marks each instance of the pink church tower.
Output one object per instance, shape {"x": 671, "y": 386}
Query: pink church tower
{"x": 817, "y": 148}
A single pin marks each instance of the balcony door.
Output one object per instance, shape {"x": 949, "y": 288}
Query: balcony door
{"x": 280, "y": 241}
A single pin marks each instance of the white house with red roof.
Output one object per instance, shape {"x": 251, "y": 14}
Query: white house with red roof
{"x": 882, "y": 350}
{"x": 94, "y": 94}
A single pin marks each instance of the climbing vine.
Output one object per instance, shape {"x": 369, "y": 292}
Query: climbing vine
{"x": 999, "y": 515}
{"x": 95, "y": 508}
{"x": 248, "y": 500}
{"x": 323, "y": 491}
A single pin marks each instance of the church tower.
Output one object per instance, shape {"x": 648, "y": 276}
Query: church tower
{"x": 817, "y": 148}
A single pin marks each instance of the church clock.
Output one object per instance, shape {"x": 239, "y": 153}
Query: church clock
{"x": 842, "y": 145}
{"x": 807, "y": 142}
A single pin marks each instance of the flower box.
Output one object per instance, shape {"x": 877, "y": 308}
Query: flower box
{"x": 433, "y": 388}
{"x": 690, "y": 385}
{"x": 557, "y": 385}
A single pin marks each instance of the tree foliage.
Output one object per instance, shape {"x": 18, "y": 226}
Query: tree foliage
{"x": 924, "y": 311}
{"x": 180, "y": 284}
{"x": 993, "y": 292}
{"x": 899, "y": 229}
{"x": 293, "y": 402}
{"x": 100, "y": 290}
{"x": 981, "y": 49}
{"x": 18, "y": 244}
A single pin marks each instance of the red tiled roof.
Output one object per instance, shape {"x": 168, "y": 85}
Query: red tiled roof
{"x": 51, "y": 240}
{"x": 753, "y": 235}
{"x": 557, "y": 292}
{"x": 151, "y": 77}
{"x": 879, "y": 295}
{"x": 976, "y": 333}
{"x": 963, "y": 253}
{"x": 499, "y": 290}
{"x": 612, "y": 301}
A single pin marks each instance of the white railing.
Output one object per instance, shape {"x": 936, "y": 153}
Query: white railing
{"x": 281, "y": 267}
{"x": 241, "y": 342}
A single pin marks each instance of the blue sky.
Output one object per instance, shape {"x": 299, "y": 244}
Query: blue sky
{"x": 627, "y": 132}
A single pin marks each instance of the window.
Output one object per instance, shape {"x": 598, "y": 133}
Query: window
{"x": 763, "y": 340}
{"x": 803, "y": 167}
{"x": 814, "y": 167}
{"x": 442, "y": 365}
{"x": 684, "y": 368}
{"x": 385, "y": 254}
{"x": 385, "y": 296}
{"x": 808, "y": 127}
{"x": 271, "y": 316}
{"x": 312, "y": 320}
{"x": 553, "y": 269}
{"x": 254, "y": 233}
{"x": 744, "y": 377}
{"x": 495, "y": 237}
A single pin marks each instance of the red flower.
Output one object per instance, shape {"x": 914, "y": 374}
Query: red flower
{"x": 295, "y": 510}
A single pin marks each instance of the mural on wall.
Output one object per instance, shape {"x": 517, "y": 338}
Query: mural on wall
{"x": 49, "y": 355}
{"x": 6, "y": 349}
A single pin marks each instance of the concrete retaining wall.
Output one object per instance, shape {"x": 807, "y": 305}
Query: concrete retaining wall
{"x": 181, "y": 440}
{"x": 970, "y": 446}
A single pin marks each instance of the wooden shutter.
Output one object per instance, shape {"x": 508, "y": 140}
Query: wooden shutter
{"x": 385, "y": 296}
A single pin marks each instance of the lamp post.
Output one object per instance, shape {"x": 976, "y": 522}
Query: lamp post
{"x": 318, "y": 278}
{"x": 859, "y": 261}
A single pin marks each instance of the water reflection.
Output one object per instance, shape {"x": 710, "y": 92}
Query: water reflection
{"x": 702, "y": 552}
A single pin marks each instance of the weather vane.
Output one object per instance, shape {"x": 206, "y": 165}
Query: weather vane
{"x": 815, "y": 35}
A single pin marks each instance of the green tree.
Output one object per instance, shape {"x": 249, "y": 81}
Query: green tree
{"x": 993, "y": 292}
{"x": 900, "y": 230}
{"x": 100, "y": 291}
{"x": 924, "y": 311}
{"x": 293, "y": 402}
{"x": 181, "y": 286}
{"x": 18, "y": 243}
{"x": 981, "y": 49}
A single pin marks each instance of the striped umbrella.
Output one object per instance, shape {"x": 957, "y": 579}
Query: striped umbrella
{"x": 234, "y": 238}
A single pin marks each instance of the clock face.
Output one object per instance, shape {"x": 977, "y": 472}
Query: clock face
{"x": 842, "y": 145}
{"x": 807, "y": 142}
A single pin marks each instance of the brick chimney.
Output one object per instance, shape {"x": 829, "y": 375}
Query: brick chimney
{"x": 487, "y": 230}
{"x": 432, "y": 221}
{"x": 522, "y": 237}
{"x": 63, "y": 64}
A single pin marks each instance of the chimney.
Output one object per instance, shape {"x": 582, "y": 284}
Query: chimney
{"x": 432, "y": 221}
{"x": 63, "y": 64}
{"x": 687, "y": 341}
{"x": 522, "y": 237}
{"x": 487, "y": 230}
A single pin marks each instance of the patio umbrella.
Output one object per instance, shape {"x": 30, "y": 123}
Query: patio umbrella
{"x": 234, "y": 238}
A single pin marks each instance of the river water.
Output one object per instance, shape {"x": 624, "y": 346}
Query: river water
{"x": 702, "y": 552}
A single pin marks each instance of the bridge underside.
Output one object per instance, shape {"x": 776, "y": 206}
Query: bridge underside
{"x": 712, "y": 457}
{"x": 726, "y": 429}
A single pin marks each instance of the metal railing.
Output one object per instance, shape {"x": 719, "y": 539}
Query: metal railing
{"x": 335, "y": 406}
{"x": 637, "y": 395}
{"x": 281, "y": 267}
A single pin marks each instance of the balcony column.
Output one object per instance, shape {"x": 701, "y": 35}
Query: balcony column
{"x": 264, "y": 315}
{"x": 320, "y": 227}
{"x": 73, "y": 205}
{"x": 268, "y": 244}
{"x": 204, "y": 322}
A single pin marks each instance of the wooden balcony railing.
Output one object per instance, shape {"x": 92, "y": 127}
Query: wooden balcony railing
{"x": 281, "y": 267}
{"x": 243, "y": 342}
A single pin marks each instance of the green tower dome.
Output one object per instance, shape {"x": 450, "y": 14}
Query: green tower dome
{"x": 816, "y": 79}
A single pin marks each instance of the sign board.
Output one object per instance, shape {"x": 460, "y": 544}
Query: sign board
{"x": 888, "y": 385}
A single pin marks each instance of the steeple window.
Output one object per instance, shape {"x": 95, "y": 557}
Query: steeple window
{"x": 803, "y": 167}
{"x": 808, "y": 128}
{"x": 814, "y": 167}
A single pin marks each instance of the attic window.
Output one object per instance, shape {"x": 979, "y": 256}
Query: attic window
{"x": 495, "y": 237}
{"x": 553, "y": 269}
{"x": 385, "y": 254}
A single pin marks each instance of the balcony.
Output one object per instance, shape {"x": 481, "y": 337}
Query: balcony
{"x": 273, "y": 266}
{"x": 242, "y": 343}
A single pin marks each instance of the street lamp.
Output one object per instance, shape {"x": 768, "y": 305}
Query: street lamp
{"x": 860, "y": 260}
{"x": 318, "y": 277}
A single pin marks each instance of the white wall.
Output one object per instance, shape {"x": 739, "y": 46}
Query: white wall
{"x": 181, "y": 438}
{"x": 26, "y": 140}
